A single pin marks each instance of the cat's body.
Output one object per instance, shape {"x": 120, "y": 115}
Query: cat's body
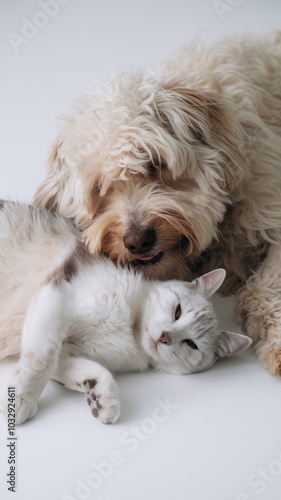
{"x": 76, "y": 318}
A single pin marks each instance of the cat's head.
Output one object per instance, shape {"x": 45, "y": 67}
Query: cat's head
{"x": 180, "y": 330}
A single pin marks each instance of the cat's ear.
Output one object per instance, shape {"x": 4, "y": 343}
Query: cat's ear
{"x": 209, "y": 283}
{"x": 229, "y": 343}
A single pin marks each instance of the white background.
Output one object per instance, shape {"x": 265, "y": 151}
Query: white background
{"x": 222, "y": 439}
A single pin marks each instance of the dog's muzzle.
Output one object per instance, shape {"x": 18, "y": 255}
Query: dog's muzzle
{"x": 140, "y": 243}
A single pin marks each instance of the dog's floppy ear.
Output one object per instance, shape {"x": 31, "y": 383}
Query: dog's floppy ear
{"x": 205, "y": 123}
{"x": 47, "y": 194}
{"x": 75, "y": 196}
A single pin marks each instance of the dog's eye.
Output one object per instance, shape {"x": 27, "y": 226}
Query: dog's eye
{"x": 183, "y": 243}
{"x": 155, "y": 166}
{"x": 190, "y": 343}
{"x": 178, "y": 312}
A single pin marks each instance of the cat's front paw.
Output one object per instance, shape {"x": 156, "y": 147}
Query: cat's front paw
{"x": 26, "y": 407}
{"x": 103, "y": 400}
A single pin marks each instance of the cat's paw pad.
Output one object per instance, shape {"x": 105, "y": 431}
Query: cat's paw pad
{"x": 103, "y": 400}
{"x": 26, "y": 407}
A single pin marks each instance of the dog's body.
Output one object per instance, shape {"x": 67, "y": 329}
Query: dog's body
{"x": 182, "y": 170}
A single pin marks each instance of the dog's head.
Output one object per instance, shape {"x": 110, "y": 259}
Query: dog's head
{"x": 145, "y": 167}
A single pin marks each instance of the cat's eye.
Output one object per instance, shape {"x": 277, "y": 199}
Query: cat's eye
{"x": 178, "y": 312}
{"x": 190, "y": 343}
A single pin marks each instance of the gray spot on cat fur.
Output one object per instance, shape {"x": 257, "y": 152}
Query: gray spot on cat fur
{"x": 91, "y": 383}
{"x": 92, "y": 398}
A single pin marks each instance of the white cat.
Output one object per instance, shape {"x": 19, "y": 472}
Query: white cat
{"x": 73, "y": 317}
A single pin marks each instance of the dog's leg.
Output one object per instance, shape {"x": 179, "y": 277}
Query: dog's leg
{"x": 94, "y": 380}
{"x": 42, "y": 337}
{"x": 259, "y": 310}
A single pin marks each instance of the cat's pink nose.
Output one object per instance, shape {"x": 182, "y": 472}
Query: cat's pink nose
{"x": 165, "y": 339}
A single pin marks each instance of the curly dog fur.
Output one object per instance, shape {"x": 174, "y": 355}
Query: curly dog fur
{"x": 181, "y": 171}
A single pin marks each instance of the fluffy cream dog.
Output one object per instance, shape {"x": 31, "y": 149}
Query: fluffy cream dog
{"x": 181, "y": 171}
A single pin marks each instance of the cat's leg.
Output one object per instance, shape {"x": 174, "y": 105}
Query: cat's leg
{"x": 94, "y": 380}
{"x": 42, "y": 337}
{"x": 259, "y": 310}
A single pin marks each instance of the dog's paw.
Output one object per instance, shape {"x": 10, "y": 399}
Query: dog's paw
{"x": 26, "y": 407}
{"x": 273, "y": 361}
{"x": 103, "y": 400}
{"x": 269, "y": 354}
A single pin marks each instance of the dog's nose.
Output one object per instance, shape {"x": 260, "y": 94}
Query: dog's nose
{"x": 140, "y": 241}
